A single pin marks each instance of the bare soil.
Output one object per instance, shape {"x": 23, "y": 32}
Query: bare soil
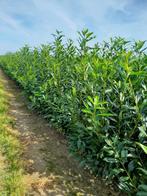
{"x": 49, "y": 168}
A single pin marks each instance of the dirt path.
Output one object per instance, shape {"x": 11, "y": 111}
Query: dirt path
{"x": 45, "y": 154}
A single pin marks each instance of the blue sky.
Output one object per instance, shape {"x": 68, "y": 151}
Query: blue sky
{"x": 33, "y": 21}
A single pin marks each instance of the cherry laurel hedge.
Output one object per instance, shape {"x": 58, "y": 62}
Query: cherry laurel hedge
{"x": 96, "y": 95}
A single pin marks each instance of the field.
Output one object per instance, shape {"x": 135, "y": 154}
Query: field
{"x": 97, "y": 96}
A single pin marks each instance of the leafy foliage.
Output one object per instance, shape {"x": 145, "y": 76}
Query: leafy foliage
{"x": 97, "y": 95}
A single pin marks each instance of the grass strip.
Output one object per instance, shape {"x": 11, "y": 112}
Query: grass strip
{"x": 11, "y": 173}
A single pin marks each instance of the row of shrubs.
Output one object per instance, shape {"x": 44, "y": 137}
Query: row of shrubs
{"x": 97, "y": 95}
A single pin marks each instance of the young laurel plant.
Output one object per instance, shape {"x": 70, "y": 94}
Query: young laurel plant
{"x": 96, "y": 120}
{"x": 96, "y": 113}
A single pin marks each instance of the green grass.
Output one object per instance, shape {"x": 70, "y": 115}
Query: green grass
{"x": 97, "y": 95}
{"x": 10, "y": 166}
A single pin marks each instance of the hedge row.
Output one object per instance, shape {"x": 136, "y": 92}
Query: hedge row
{"x": 97, "y": 95}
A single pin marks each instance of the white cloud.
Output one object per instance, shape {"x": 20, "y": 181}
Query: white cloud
{"x": 33, "y": 21}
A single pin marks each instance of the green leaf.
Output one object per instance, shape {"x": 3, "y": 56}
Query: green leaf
{"x": 141, "y": 193}
{"x": 143, "y": 187}
{"x": 124, "y": 153}
{"x": 144, "y": 148}
{"x": 109, "y": 142}
{"x": 144, "y": 171}
{"x": 110, "y": 160}
{"x": 105, "y": 114}
{"x": 143, "y": 131}
{"x": 131, "y": 166}
{"x": 86, "y": 111}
